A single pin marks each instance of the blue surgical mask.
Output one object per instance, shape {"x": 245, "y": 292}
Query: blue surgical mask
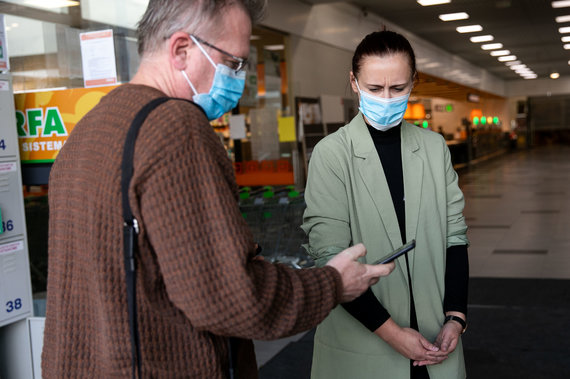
{"x": 227, "y": 88}
{"x": 381, "y": 113}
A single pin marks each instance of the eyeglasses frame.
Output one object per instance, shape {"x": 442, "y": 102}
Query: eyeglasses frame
{"x": 242, "y": 62}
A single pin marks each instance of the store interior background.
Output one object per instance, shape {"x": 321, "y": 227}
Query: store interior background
{"x": 299, "y": 67}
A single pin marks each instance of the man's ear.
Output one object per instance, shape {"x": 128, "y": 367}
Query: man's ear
{"x": 179, "y": 45}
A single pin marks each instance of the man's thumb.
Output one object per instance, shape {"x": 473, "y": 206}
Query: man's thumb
{"x": 356, "y": 251}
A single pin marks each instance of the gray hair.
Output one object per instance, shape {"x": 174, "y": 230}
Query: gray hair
{"x": 163, "y": 18}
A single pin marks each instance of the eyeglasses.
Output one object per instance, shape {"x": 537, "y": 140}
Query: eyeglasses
{"x": 238, "y": 64}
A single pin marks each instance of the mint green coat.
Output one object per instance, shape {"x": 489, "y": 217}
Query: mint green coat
{"x": 348, "y": 201}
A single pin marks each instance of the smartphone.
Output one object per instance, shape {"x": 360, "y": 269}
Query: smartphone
{"x": 396, "y": 253}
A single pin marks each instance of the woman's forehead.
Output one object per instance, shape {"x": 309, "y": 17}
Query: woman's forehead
{"x": 395, "y": 65}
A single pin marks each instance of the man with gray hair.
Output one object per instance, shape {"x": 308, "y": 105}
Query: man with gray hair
{"x": 198, "y": 281}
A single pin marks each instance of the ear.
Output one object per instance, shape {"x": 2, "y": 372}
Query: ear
{"x": 179, "y": 45}
{"x": 353, "y": 83}
{"x": 415, "y": 79}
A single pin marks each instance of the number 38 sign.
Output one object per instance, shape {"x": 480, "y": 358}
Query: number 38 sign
{"x": 15, "y": 301}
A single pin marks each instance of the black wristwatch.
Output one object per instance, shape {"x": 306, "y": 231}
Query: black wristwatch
{"x": 458, "y": 319}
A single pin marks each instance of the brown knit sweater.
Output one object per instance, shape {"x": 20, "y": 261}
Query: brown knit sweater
{"x": 197, "y": 281}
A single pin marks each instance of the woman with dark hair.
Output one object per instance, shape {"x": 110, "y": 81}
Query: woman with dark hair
{"x": 382, "y": 181}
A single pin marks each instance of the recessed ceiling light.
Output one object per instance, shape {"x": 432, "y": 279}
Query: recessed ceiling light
{"x": 554, "y": 75}
{"x": 567, "y": 46}
{"x": 510, "y": 63}
{"x": 530, "y": 77}
{"x": 51, "y": 4}
{"x": 274, "y": 47}
{"x": 498, "y": 53}
{"x": 507, "y": 58}
{"x": 485, "y": 38}
{"x": 492, "y": 46}
{"x": 432, "y": 65}
{"x": 561, "y": 4}
{"x": 469, "y": 28}
{"x": 564, "y": 30}
{"x": 427, "y": 3}
{"x": 454, "y": 16}
{"x": 561, "y": 19}
{"x": 517, "y": 66}
{"x": 569, "y": 62}
{"x": 565, "y": 39}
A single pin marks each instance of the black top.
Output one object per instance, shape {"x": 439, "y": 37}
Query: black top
{"x": 366, "y": 308}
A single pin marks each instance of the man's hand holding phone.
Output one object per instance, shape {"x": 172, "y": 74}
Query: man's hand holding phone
{"x": 357, "y": 277}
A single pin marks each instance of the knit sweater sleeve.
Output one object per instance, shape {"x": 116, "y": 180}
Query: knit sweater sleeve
{"x": 206, "y": 254}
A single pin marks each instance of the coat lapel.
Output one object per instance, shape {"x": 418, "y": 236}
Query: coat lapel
{"x": 413, "y": 167}
{"x": 370, "y": 169}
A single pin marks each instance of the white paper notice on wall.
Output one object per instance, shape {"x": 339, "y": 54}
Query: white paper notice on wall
{"x": 11, "y": 248}
{"x": 98, "y": 58}
{"x": 333, "y": 109}
{"x": 4, "y": 59}
{"x": 237, "y": 126}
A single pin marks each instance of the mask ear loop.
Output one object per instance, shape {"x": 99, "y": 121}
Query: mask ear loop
{"x": 357, "y": 86}
{"x": 189, "y": 82}
{"x": 202, "y": 50}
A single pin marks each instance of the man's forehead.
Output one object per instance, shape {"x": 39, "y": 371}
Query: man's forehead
{"x": 235, "y": 33}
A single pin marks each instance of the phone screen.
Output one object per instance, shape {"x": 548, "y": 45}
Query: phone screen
{"x": 396, "y": 253}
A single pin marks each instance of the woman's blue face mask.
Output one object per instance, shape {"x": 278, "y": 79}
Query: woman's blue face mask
{"x": 227, "y": 88}
{"x": 382, "y": 113}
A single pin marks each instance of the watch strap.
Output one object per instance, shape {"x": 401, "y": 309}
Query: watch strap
{"x": 458, "y": 319}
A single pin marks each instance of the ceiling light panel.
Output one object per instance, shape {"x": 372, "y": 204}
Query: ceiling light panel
{"x": 564, "y": 30}
{"x": 561, "y": 19}
{"x": 499, "y": 53}
{"x": 507, "y": 58}
{"x": 470, "y": 28}
{"x": 567, "y": 46}
{"x": 453, "y": 16}
{"x": 565, "y": 39}
{"x": 51, "y": 4}
{"x": 274, "y": 47}
{"x": 427, "y": 3}
{"x": 492, "y": 46}
{"x": 510, "y": 63}
{"x": 485, "y": 38}
{"x": 561, "y": 4}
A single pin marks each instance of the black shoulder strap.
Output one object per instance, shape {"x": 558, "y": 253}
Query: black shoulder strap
{"x": 131, "y": 229}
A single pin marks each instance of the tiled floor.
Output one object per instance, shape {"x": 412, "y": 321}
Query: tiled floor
{"x": 518, "y": 214}
{"x": 518, "y": 211}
